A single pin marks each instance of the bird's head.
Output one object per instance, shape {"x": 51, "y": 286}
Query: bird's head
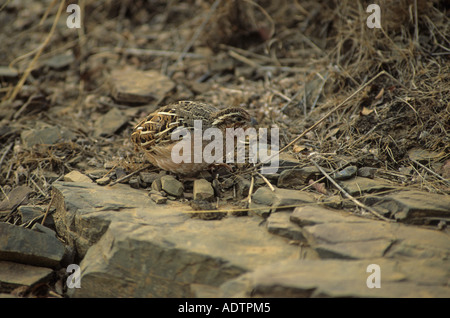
{"x": 234, "y": 117}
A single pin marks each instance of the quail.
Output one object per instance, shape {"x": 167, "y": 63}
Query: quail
{"x": 153, "y": 134}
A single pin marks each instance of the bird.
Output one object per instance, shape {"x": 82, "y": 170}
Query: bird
{"x": 152, "y": 134}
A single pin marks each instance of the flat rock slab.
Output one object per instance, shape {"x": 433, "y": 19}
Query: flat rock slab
{"x": 45, "y": 134}
{"x": 359, "y": 185}
{"x": 16, "y": 197}
{"x": 133, "y": 247}
{"x": 339, "y": 278}
{"x": 334, "y": 234}
{"x": 158, "y": 262}
{"x": 414, "y": 206}
{"x": 26, "y": 246}
{"x": 264, "y": 200}
{"x": 203, "y": 190}
{"x": 109, "y": 123}
{"x": 134, "y": 86}
{"x": 76, "y": 176}
{"x": 15, "y": 274}
{"x": 316, "y": 214}
{"x": 84, "y": 211}
{"x": 60, "y": 61}
{"x": 279, "y": 223}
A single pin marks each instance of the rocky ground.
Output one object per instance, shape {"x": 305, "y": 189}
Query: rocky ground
{"x": 364, "y": 170}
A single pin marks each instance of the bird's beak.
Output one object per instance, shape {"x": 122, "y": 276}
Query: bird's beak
{"x": 253, "y": 121}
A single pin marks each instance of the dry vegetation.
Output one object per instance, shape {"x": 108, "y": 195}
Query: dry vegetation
{"x": 371, "y": 95}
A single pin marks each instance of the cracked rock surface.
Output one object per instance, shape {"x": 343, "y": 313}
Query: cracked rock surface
{"x": 133, "y": 247}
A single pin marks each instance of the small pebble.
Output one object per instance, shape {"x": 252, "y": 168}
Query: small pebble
{"x": 367, "y": 172}
{"x": 158, "y": 199}
{"x": 172, "y": 186}
{"x": 134, "y": 182}
{"x": 103, "y": 181}
{"x": 156, "y": 185}
{"x": 147, "y": 178}
{"x": 346, "y": 173}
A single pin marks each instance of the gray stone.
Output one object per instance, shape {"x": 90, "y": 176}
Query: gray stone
{"x": 76, "y": 176}
{"x": 96, "y": 173}
{"x": 159, "y": 262}
{"x": 333, "y": 201}
{"x": 46, "y": 135}
{"x": 134, "y": 86}
{"x": 297, "y": 178}
{"x": 163, "y": 252}
{"x": 333, "y": 234}
{"x": 367, "y": 172}
{"x": 419, "y": 243}
{"x": 146, "y": 178}
{"x": 60, "y": 61}
{"x": 345, "y": 173}
{"x": 28, "y": 213}
{"x": 341, "y": 278}
{"x": 36, "y": 214}
{"x": 263, "y": 196}
{"x": 15, "y": 198}
{"x": 423, "y": 155}
{"x": 414, "y": 206}
{"x": 134, "y": 182}
{"x": 203, "y": 190}
{"x": 360, "y": 185}
{"x": 277, "y": 200}
{"x": 120, "y": 232}
{"x": 85, "y": 210}
{"x": 158, "y": 199}
{"x": 15, "y": 274}
{"x": 315, "y": 214}
{"x": 286, "y": 198}
{"x": 260, "y": 209}
{"x": 156, "y": 185}
{"x": 26, "y": 246}
{"x": 338, "y": 232}
{"x": 110, "y": 122}
{"x": 43, "y": 229}
{"x": 172, "y": 186}
{"x": 279, "y": 223}
{"x": 120, "y": 173}
{"x": 354, "y": 250}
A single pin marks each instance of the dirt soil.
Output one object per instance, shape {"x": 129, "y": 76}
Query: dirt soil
{"x": 350, "y": 94}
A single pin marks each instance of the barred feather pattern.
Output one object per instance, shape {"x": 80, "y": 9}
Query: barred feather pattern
{"x": 153, "y": 133}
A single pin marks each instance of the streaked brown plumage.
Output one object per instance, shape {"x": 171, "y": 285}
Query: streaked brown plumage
{"x": 153, "y": 133}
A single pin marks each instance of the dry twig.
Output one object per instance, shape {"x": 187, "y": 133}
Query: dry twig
{"x": 347, "y": 195}
{"x": 129, "y": 175}
{"x": 36, "y": 57}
